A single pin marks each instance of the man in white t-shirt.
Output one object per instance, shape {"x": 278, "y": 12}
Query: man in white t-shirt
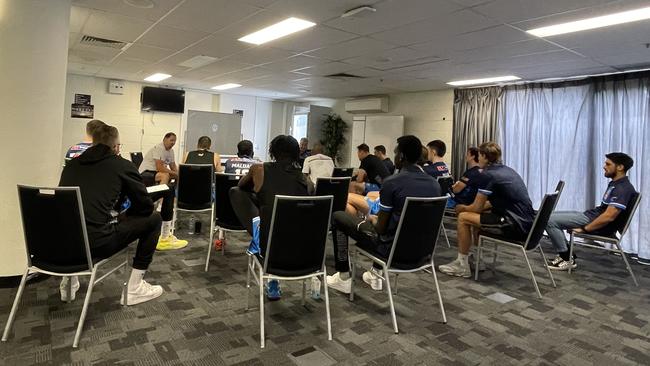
{"x": 158, "y": 165}
{"x": 318, "y": 165}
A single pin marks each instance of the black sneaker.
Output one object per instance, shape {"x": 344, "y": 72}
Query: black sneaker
{"x": 562, "y": 265}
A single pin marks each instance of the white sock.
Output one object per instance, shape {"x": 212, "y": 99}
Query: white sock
{"x": 75, "y": 281}
{"x": 136, "y": 279}
{"x": 344, "y": 275}
{"x": 463, "y": 258}
{"x": 166, "y": 229}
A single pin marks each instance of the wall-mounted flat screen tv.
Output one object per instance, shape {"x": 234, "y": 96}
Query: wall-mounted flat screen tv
{"x": 163, "y": 100}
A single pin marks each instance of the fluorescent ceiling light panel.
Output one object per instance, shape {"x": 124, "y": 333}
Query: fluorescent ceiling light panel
{"x": 277, "y": 30}
{"x": 592, "y": 23}
{"x": 484, "y": 81}
{"x": 226, "y": 86}
{"x": 157, "y": 77}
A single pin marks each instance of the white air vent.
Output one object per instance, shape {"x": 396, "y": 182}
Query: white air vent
{"x": 367, "y": 105}
{"x": 102, "y": 42}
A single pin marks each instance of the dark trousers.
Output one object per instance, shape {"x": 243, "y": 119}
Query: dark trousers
{"x": 245, "y": 206}
{"x": 167, "y": 209}
{"x": 144, "y": 229}
{"x": 344, "y": 226}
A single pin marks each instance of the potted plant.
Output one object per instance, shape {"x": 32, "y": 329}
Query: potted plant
{"x": 333, "y": 133}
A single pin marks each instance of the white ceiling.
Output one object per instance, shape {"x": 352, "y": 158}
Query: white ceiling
{"x": 406, "y": 45}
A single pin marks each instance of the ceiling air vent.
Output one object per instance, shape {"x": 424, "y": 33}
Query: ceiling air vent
{"x": 343, "y": 75}
{"x": 102, "y": 42}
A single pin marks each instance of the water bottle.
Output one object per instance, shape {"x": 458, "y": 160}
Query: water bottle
{"x": 315, "y": 288}
{"x": 192, "y": 225}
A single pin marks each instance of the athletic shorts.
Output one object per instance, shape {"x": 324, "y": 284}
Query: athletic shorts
{"x": 254, "y": 246}
{"x": 373, "y": 205}
{"x": 501, "y": 225}
{"x": 149, "y": 178}
{"x": 370, "y": 187}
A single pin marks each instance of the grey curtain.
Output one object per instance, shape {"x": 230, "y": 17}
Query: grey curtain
{"x": 476, "y": 118}
{"x": 563, "y": 131}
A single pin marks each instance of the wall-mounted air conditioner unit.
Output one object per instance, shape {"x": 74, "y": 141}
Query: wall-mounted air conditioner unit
{"x": 367, "y": 105}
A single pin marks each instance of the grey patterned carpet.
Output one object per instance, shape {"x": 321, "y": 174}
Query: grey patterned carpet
{"x": 595, "y": 316}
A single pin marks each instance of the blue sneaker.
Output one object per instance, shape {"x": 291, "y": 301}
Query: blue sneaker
{"x": 273, "y": 291}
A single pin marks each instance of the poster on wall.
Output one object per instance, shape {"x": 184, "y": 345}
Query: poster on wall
{"x": 82, "y": 111}
{"x": 81, "y": 108}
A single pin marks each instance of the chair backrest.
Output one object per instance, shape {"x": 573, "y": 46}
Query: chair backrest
{"x": 342, "y": 172}
{"x": 541, "y": 220}
{"x": 223, "y": 207}
{"x": 336, "y": 187}
{"x": 297, "y": 235}
{"x": 627, "y": 215}
{"x": 46, "y": 211}
{"x": 445, "y": 184}
{"x": 195, "y": 186}
{"x": 417, "y": 232}
{"x": 136, "y": 158}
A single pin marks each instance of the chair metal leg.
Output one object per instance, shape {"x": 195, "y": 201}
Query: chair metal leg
{"x": 304, "y": 290}
{"x": 248, "y": 280}
{"x": 444, "y": 231}
{"x": 211, "y": 228}
{"x": 14, "y": 307}
{"x": 390, "y": 298}
{"x": 494, "y": 255}
{"x": 69, "y": 299}
{"x": 352, "y": 258}
{"x": 395, "y": 289}
{"x": 82, "y": 318}
{"x": 442, "y": 306}
{"x": 327, "y": 306}
{"x": 222, "y": 237}
{"x": 261, "y": 288}
{"x": 571, "y": 239}
{"x": 207, "y": 256}
{"x": 127, "y": 275}
{"x": 532, "y": 275}
{"x": 627, "y": 264}
{"x": 478, "y": 257}
{"x": 548, "y": 270}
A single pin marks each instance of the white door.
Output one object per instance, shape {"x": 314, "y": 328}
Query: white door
{"x": 373, "y": 131}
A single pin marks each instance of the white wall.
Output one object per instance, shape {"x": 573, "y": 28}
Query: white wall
{"x": 427, "y": 115}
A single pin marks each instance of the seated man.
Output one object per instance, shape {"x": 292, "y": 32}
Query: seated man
{"x": 87, "y": 142}
{"x": 318, "y": 164}
{"x": 304, "y": 151}
{"x": 203, "y": 155}
{"x": 602, "y": 220}
{"x": 380, "y": 152}
{"x": 376, "y": 234}
{"x": 511, "y": 215}
{"x": 436, "y": 166}
{"x": 255, "y": 195}
{"x": 372, "y": 172}
{"x": 103, "y": 177}
{"x": 466, "y": 188}
{"x": 158, "y": 165}
{"x": 244, "y": 160}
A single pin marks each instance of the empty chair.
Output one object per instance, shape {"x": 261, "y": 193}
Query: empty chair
{"x": 288, "y": 256}
{"x": 337, "y": 188}
{"x": 226, "y": 220}
{"x": 136, "y": 158}
{"x": 195, "y": 190}
{"x": 342, "y": 172}
{"x": 412, "y": 249}
{"x": 531, "y": 242}
{"x": 614, "y": 239}
{"x": 59, "y": 210}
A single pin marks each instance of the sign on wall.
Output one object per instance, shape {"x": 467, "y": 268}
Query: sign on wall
{"x": 81, "y": 108}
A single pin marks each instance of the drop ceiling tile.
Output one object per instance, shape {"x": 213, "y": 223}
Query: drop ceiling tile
{"x": 521, "y": 48}
{"x": 260, "y": 55}
{"x": 512, "y": 11}
{"x": 316, "y": 10}
{"x": 171, "y": 38}
{"x": 92, "y": 54}
{"x": 126, "y": 65}
{"x": 219, "y": 68}
{"x": 294, "y": 63}
{"x": 489, "y": 37}
{"x": 394, "y": 58}
{"x": 311, "y": 39}
{"x": 327, "y": 68}
{"x": 161, "y": 7}
{"x": 627, "y": 61}
{"x": 208, "y": 15}
{"x": 146, "y": 53}
{"x": 352, "y": 48}
{"x": 253, "y": 73}
{"x": 392, "y": 14}
{"x": 633, "y": 36}
{"x": 78, "y": 17}
{"x": 115, "y": 27}
{"x": 84, "y": 69}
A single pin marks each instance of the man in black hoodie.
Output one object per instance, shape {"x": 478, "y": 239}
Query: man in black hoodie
{"x": 105, "y": 179}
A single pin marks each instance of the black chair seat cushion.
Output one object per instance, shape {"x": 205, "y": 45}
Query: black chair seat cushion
{"x": 502, "y": 237}
{"x": 64, "y": 268}
{"x": 188, "y": 206}
{"x": 229, "y": 225}
{"x": 396, "y": 264}
{"x": 285, "y": 272}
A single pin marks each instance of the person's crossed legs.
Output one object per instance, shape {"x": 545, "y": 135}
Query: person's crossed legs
{"x": 557, "y": 223}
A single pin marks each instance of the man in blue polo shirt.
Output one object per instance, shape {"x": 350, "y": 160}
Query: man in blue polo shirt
{"x": 502, "y": 191}
{"x": 602, "y": 220}
{"x": 436, "y": 166}
{"x": 376, "y": 233}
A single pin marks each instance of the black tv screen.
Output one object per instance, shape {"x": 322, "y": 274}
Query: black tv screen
{"x": 163, "y": 100}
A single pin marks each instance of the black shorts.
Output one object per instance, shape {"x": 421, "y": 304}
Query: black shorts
{"x": 149, "y": 178}
{"x": 501, "y": 225}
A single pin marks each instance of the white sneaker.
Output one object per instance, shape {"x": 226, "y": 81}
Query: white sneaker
{"x": 456, "y": 268}
{"x": 336, "y": 282}
{"x": 372, "y": 278}
{"x": 143, "y": 293}
{"x": 63, "y": 288}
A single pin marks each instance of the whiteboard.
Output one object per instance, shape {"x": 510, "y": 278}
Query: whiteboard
{"x": 373, "y": 131}
{"x": 224, "y": 129}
